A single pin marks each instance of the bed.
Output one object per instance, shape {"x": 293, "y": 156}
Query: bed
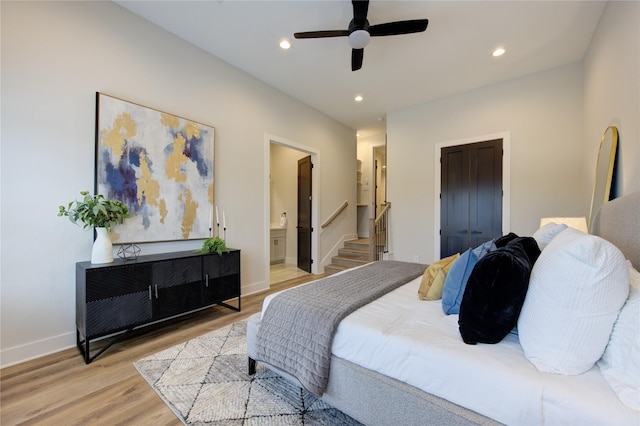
{"x": 401, "y": 360}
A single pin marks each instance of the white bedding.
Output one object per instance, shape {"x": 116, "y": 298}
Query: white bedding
{"x": 413, "y": 341}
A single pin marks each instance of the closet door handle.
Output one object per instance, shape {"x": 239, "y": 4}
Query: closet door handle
{"x": 476, "y": 232}
{"x": 156, "y": 291}
{"x": 206, "y": 280}
{"x": 150, "y": 297}
{"x": 464, "y": 231}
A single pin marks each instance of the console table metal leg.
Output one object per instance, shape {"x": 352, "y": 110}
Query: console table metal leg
{"x": 231, "y": 306}
{"x": 86, "y": 354}
{"x": 83, "y": 346}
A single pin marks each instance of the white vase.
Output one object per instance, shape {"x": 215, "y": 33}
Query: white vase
{"x": 102, "y": 251}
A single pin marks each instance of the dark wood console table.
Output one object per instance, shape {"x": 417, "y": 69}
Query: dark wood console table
{"x": 116, "y": 298}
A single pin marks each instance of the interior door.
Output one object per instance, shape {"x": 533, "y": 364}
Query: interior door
{"x": 485, "y": 195}
{"x": 471, "y": 195}
{"x": 454, "y": 200}
{"x": 304, "y": 213}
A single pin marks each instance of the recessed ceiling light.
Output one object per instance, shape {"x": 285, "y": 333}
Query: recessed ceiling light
{"x": 499, "y": 51}
{"x": 285, "y": 44}
{"x": 358, "y": 98}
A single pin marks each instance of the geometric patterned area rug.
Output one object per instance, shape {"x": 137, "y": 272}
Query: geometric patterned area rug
{"x": 205, "y": 382}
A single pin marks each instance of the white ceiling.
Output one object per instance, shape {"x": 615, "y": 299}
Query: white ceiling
{"x": 452, "y": 56}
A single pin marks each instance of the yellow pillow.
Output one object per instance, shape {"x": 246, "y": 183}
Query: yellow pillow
{"x": 432, "y": 276}
{"x": 435, "y": 291}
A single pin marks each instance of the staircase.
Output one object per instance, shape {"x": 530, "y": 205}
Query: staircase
{"x": 354, "y": 253}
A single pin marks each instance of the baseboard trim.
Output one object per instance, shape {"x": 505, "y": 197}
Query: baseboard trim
{"x": 37, "y": 349}
{"x": 255, "y": 288}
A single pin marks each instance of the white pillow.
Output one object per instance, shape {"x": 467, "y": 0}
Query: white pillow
{"x": 620, "y": 363}
{"x": 546, "y": 233}
{"x": 577, "y": 288}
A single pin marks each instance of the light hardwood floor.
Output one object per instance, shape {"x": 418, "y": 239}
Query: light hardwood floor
{"x": 285, "y": 271}
{"x": 59, "y": 389}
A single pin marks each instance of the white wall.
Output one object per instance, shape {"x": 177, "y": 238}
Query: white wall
{"x": 611, "y": 92}
{"x": 542, "y": 112}
{"x": 55, "y": 56}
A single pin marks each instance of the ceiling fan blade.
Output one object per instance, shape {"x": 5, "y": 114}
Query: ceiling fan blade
{"x": 360, "y": 10}
{"x": 356, "y": 59}
{"x": 322, "y": 34}
{"x": 398, "y": 27}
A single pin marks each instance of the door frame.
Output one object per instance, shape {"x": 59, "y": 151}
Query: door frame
{"x": 506, "y": 181}
{"x": 374, "y": 176}
{"x": 315, "y": 190}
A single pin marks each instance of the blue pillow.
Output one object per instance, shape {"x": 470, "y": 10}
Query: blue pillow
{"x": 456, "y": 282}
{"x": 485, "y": 248}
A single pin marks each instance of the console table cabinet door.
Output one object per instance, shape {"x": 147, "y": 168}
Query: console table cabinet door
{"x": 177, "y": 299}
{"x": 222, "y": 277}
{"x": 176, "y": 286}
{"x": 113, "y": 298}
{"x": 221, "y": 289}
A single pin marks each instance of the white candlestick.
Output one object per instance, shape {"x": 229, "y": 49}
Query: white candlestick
{"x": 217, "y": 217}
{"x": 210, "y": 223}
{"x": 224, "y": 221}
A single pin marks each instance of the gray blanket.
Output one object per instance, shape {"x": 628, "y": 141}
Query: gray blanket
{"x": 296, "y": 331}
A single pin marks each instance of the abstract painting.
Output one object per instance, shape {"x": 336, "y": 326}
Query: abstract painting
{"x": 158, "y": 164}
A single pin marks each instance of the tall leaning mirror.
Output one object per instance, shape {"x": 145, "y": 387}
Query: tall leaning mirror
{"x": 604, "y": 171}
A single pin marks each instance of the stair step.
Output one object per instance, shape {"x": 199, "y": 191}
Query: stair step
{"x": 348, "y": 261}
{"x": 358, "y": 244}
{"x": 333, "y": 269}
{"x": 355, "y": 253}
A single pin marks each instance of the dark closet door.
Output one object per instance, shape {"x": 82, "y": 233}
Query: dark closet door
{"x": 454, "y": 200}
{"x": 304, "y": 213}
{"x": 471, "y": 195}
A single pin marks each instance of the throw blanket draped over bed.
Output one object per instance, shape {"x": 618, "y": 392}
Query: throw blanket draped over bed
{"x": 297, "y": 328}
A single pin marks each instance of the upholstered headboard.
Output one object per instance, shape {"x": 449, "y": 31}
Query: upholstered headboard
{"x": 618, "y": 221}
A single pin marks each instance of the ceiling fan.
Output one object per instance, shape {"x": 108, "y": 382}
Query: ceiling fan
{"x": 360, "y": 31}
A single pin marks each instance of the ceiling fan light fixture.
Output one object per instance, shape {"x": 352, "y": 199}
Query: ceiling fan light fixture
{"x": 359, "y": 32}
{"x": 358, "y": 39}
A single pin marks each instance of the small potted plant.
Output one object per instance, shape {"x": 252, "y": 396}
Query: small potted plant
{"x": 214, "y": 245}
{"x": 94, "y": 211}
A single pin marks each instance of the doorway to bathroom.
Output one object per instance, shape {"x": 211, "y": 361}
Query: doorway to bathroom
{"x": 291, "y": 210}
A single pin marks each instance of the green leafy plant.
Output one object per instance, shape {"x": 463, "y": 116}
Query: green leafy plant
{"x": 95, "y": 211}
{"x": 214, "y": 245}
